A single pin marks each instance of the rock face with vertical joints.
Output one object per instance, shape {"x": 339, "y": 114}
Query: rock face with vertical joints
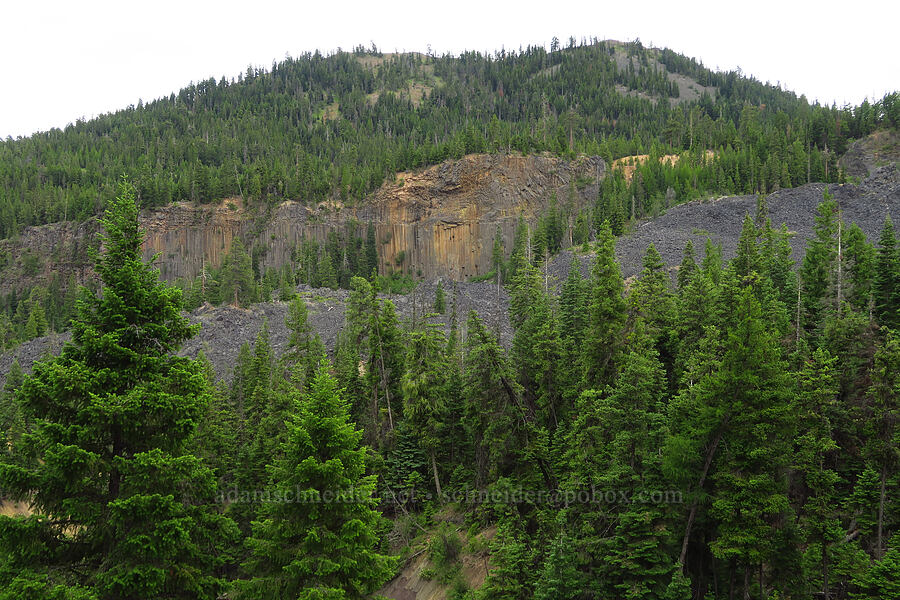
{"x": 436, "y": 222}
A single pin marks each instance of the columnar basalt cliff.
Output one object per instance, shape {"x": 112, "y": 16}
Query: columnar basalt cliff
{"x": 438, "y": 222}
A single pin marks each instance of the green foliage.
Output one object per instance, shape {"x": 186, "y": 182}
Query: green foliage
{"x": 440, "y": 302}
{"x": 133, "y": 514}
{"x": 316, "y": 536}
{"x": 341, "y": 139}
{"x": 238, "y": 284}
{"x": 887, "y": 278}
{"x": 606, "y": 314}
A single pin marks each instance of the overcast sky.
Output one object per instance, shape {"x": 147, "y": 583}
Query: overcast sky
{"x": 66, "y": 60}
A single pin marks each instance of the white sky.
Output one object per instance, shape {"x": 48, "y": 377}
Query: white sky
{"x": 65, "y": 60}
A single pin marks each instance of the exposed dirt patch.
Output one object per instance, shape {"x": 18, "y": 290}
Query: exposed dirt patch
{"x": 689, "y": 89}
{"x": 627, "y": 164}
{"x": 14, "y": 509}
{"x": 414, "y": 583}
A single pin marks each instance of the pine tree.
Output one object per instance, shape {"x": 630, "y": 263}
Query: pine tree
{"x": 121, "y": 510}
{"x": 317, "y": 533}
{"x": 818, "y": 269}
{"x": 371, "y": 251}
{"x": 758, "y": 423}
{"x": 688, "y": 266}
{"x": 238, "y": 286}
{"x": 12, "y": 422}
{"x": 606, "y": 314}
{"x": 424, "y": 393}
{"x": 887, "y": 278}
{"x": 440, "y": 302}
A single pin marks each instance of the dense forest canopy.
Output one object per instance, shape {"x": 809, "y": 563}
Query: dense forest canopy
{"x": 733, "y": 435}
{"x": 335, "y": 126}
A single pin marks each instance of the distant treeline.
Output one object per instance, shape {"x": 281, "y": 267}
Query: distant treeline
{"x": 316, "y": 127}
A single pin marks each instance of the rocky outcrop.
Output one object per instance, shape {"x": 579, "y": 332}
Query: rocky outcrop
{"x": 867, "y": 154}
{"x": 438, "y": 222}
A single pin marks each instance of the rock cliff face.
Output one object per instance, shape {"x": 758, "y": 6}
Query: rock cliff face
{"x": 439, "y": 222}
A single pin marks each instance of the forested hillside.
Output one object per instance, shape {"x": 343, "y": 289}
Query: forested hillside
{"x": 732, "y": 435}
{"x": 316, "y": 127}
{"x": 727, "y": 427}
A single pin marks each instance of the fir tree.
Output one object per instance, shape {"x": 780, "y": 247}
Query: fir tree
{"x": 758, "y": 424}
{"x": 317, "y": 535}
{"x": 688, "y": 265}
{"x": 238, "y": 286}
{"x": 424, "y": 393}
{"x": 121, "y": 510}
{"x": 606, "y": 314}
{"x": 440, "y": 302}
{"x": 12, "y": 422}
{"x": 747, "y": 259}
{"x": 887, "y": 278}
{"x": 818, "y": 269}
{"x": 371, "y": 264}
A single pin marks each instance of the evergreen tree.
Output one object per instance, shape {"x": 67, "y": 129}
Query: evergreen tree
{"x": 759, "y": 417}
{"x": 860, "y": 266}
{"x": 606, "y": 314}
{"x": 371, "y": 264}
{"x": 560, "y": 579}
{"x": 652, "y": 299}
{"x": 818, "y": 269}
{"x": 238, "y": 286}
{"x": 887, "y": 278}
{"x": 883, "y": 440}
{"x": 688, "y": 265}
{"x": 317, "y": 535}
{"x": 12, "y": 422}
{"x": 747, "y": 259}
{"x": 121, "y": 510}
{"x": 304, "y": 350}
{"x": 817, "y": 400}
{"x": 440, "y": 302}
{"x": 492, "y": 412}
{"x": 424, "y": 392}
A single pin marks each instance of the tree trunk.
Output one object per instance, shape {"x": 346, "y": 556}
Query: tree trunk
{"x": 731, "y": 580}
{"x": 878, "y": 547}
{"x": 762, "y": 587}
{"x": 437, "y": 481}
{"x": 693, "y": 513}
{"x": 839, "y": 260}
{"x": 747, "y": 582}
{"x": 825, "y": 593}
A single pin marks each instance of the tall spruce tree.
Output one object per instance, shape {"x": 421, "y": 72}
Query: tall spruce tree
{"x": 887, "y": 278}
{"x": 606, "y": 315}
{"x": 238, "y": 285}
{"x": 120, "y": 509}
{"x": 317, "y": 533}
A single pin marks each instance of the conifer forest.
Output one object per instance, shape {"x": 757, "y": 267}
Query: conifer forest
{"x": 727, "y": 427}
